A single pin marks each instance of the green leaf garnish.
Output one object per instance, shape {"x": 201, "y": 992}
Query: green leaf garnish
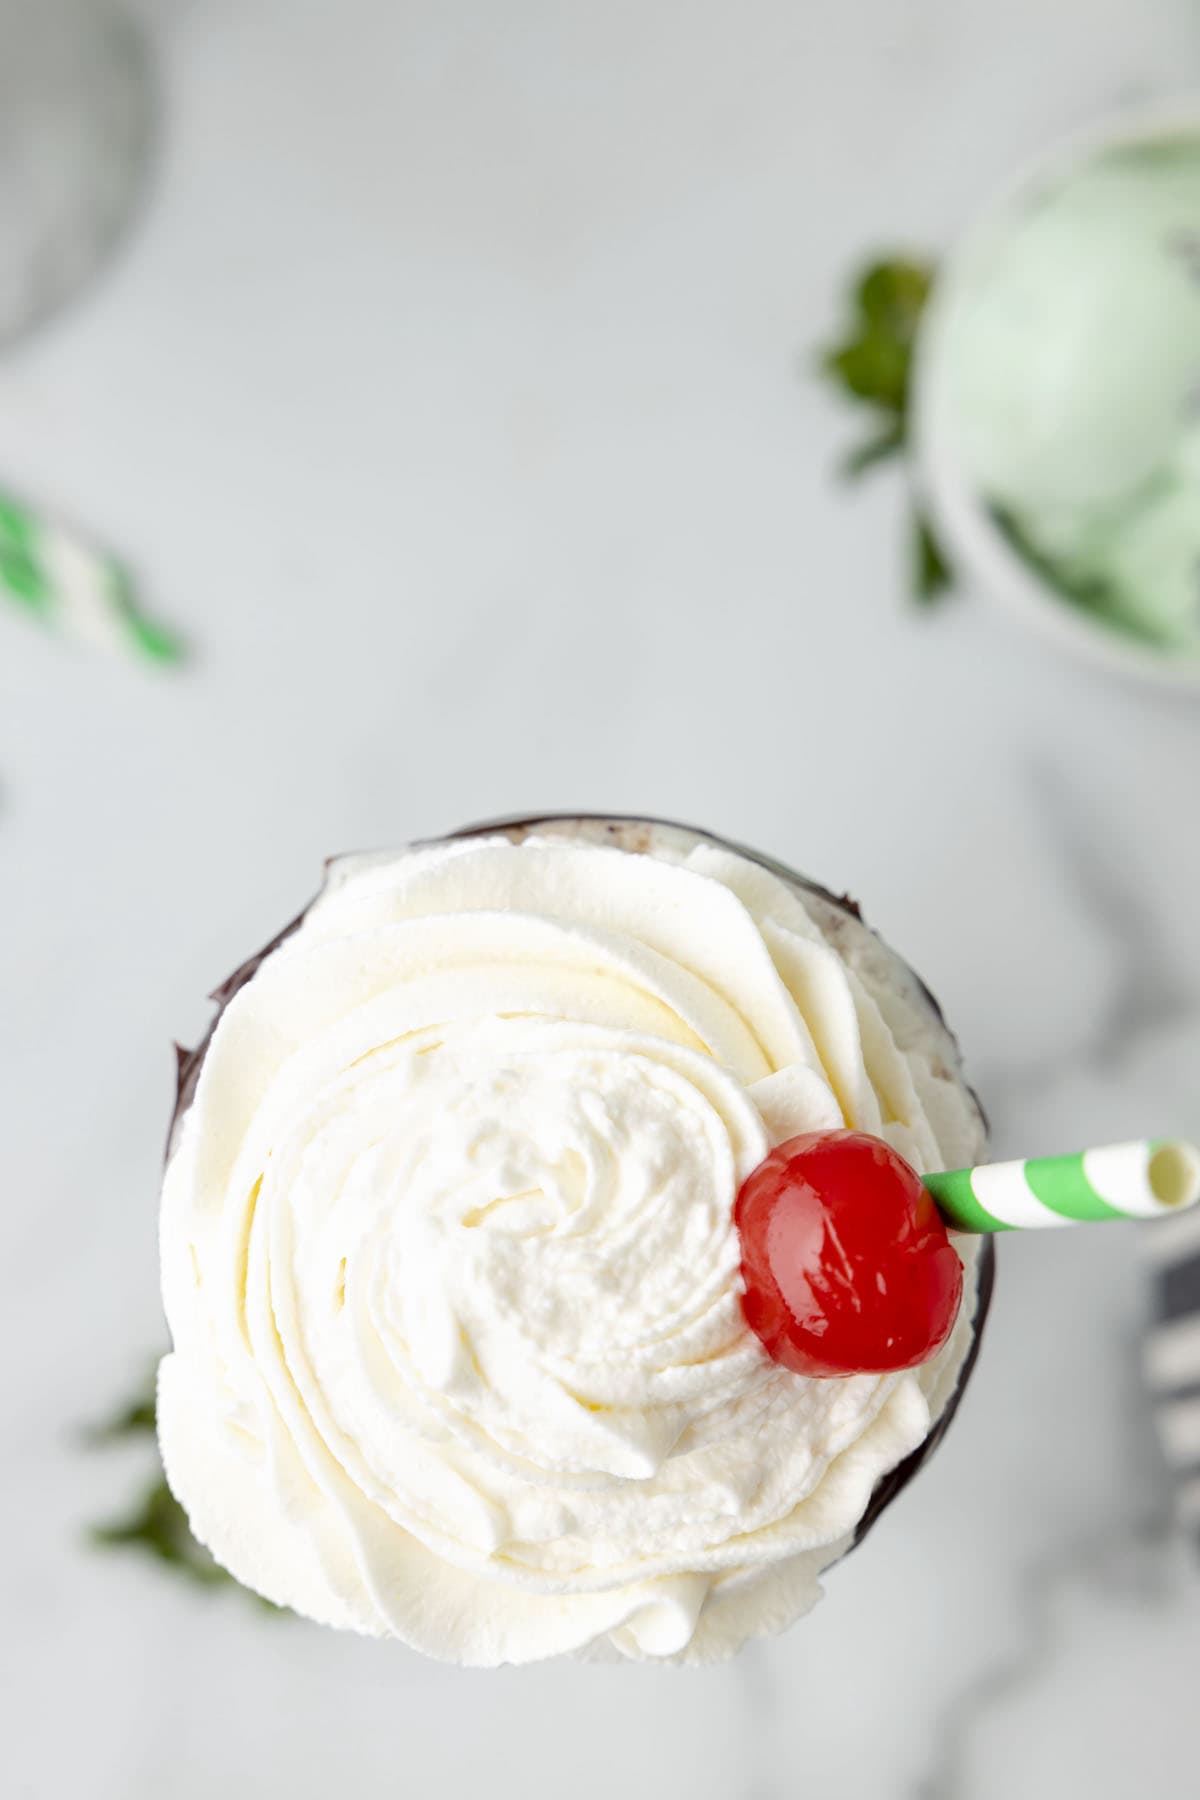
{"x": 889, "y": 442}
{"x": 155, "y": 1524}
{"x": 892, "y": 296}
{"x": 873, "y": 360}
{"x": 158, "y": 1525}
{"x": 134, "y": 1419}
{"x": 872, "y": 365}
{"x": 931, "y": 576}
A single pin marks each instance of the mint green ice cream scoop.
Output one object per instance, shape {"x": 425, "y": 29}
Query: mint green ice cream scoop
{"x": 1072, "y": 349}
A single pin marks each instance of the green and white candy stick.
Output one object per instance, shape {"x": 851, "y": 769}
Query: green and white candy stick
{"x": 74, "y": 589}
{"x": 1142, "y": 1180}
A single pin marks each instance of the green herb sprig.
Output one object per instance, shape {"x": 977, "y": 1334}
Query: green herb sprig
{"x": 156, "y": 1524}
{"x": 872, "y": 365}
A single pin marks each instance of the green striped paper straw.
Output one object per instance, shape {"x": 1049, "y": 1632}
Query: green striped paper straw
{"x": 74, "y": 589}
{"x": 1142, "y": 1180}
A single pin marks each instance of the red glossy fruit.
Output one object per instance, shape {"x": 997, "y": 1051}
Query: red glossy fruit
{"x": 846, "y": 1262}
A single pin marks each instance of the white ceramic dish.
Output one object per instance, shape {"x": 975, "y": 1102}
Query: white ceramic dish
{"x": 974, "y": 543}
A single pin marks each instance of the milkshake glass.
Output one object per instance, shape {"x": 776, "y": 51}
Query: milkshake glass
{"x": 449, "y": 1254}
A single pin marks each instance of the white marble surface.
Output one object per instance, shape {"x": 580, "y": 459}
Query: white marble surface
{"x": 454, "y": 396}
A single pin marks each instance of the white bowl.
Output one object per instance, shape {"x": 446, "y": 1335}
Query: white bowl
{"x": 975, "y": 545}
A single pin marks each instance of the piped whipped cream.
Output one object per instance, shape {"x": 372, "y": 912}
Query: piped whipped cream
{"x": 449, "y": 1260}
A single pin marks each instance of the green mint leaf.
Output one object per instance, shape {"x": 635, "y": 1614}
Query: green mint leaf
{"x": 872, "y": 367}
{"x": 889, "y": 442}
{"x": 156, "y": 1524}
{"x": 135, "y": 1418}
{"x": 931, "y": 575}
{"x": 873, "y": 360}
{"x": 892, "y": 295}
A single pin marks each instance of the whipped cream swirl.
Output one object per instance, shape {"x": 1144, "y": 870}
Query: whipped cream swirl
{"x": 449, "y": 1259}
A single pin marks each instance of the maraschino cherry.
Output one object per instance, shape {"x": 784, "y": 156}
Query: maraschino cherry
{"x": 847, "y": 1266}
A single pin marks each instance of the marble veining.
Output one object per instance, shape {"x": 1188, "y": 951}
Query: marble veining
{"x": 1138, "y": 1563}
{"x": 1145, "y": 992}
{"x": 1140, "y": 1569}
